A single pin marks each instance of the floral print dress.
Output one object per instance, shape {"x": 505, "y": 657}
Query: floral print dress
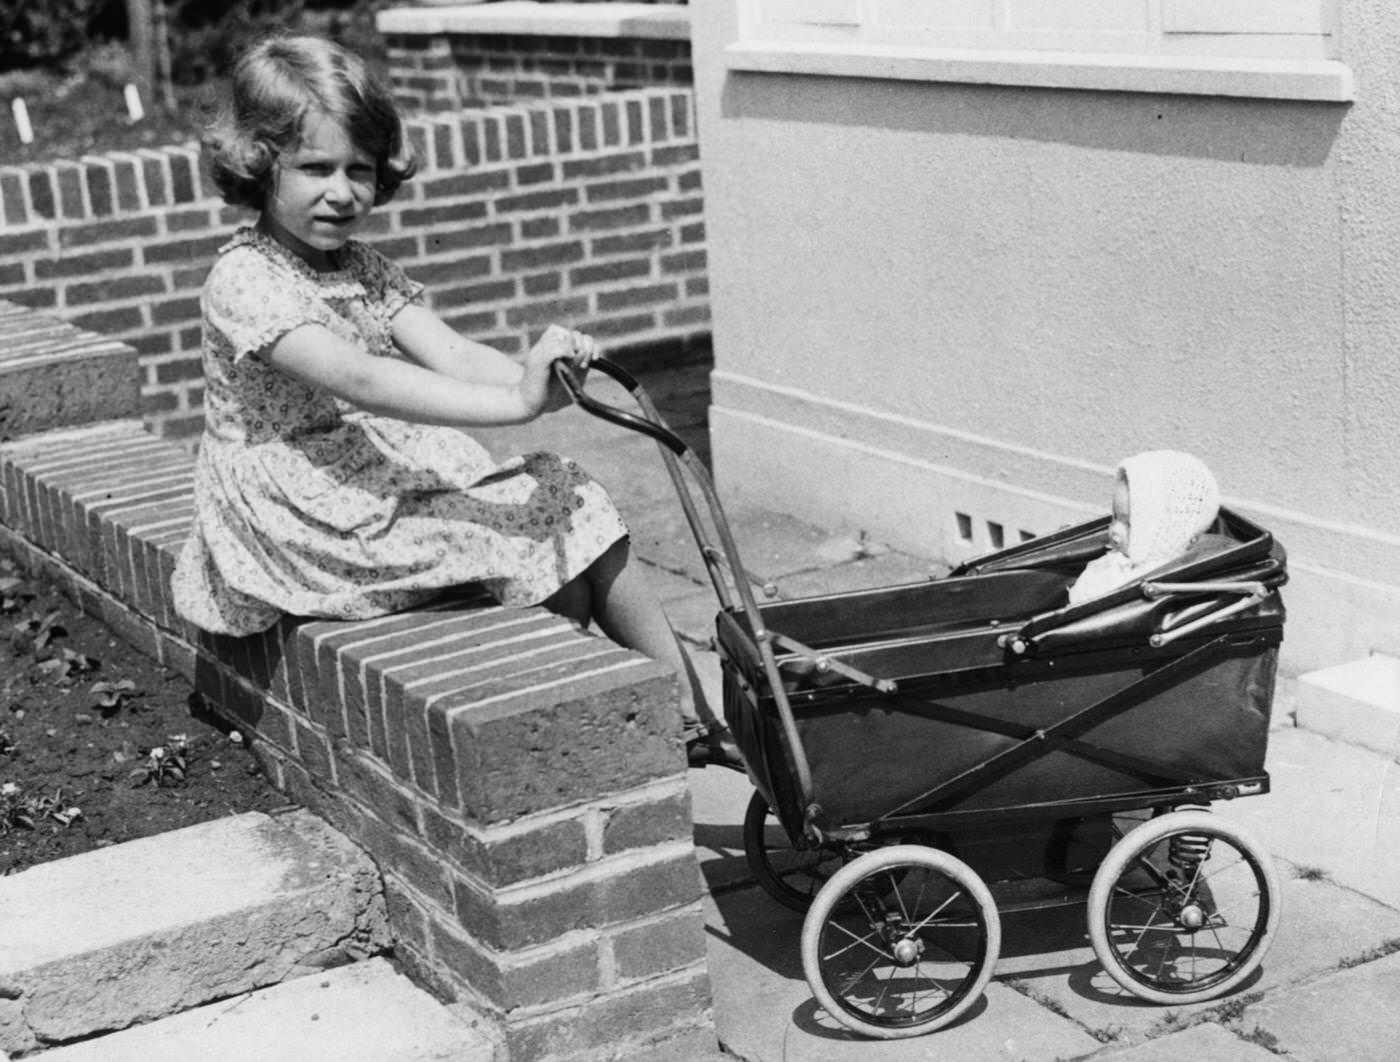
{"x": 309, "y": 507}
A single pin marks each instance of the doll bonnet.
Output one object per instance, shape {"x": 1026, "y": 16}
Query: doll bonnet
{"x": 1172, "y": 499}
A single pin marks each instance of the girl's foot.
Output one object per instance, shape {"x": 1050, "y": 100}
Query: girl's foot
{"x": 713, "y": 749}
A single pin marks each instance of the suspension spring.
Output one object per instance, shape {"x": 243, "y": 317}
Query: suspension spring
{"x": 1187, "y": 851}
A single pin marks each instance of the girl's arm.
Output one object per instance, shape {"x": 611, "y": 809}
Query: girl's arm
{"x": 392, "y": 387}
{"x": 433, "y": 344}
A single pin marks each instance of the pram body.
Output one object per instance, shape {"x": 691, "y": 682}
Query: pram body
{"x": 919, "y": 743}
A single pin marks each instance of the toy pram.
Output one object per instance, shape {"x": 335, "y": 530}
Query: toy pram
{"x": 916, "y": 747}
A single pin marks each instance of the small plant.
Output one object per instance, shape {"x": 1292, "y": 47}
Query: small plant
{"x": 1380, "y": 951}
{"x": 12, "y": 594}
{"x": 165, "y": 765}
{"x": 1265, "y": 1039}
{"x": 111, "y": 696}
{"x": 1307, "y": 873}
{"x": 35, "y": 632}
{"x": 66, "y": 666}
{"x": 24, "y": 811}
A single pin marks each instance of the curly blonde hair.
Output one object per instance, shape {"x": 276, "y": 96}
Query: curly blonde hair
{"x": 275, "y": 85}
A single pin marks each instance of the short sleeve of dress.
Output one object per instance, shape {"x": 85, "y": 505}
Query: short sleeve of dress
{"x": 251, "y": 304}
{"x": 388, "y": 286}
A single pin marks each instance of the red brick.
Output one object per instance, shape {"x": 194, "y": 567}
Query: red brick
{"x": 111, "y": 289}
{"x": 683, "y": 316}
{"x": 12, "y": 197}
{"x": 443, "y": 214}
{"x": 632, "y": 242}
{"x": 603, "y": 165}
{"x": 466, "y": 184}
{"x": 672, "y": 942}
{"x": 369, "y": 781}
{"x": 24, "y": 242}
{"x": 543, "y": 255}
{"x": 541, "y": 228}
{"x": 681, "y": 1001}
{"x": 68, "y": 176}
{"x": 498, "y": 857}
{"x": 639, "y": 188}
{"x": 647, "y": 824}
{"x": 605, "y": 272}
{"x": 496, "y": 291}
{"x": 493, "y": 235}
{"x": 84, "y": 264}
{"x": 627, "y": 217}
{"x": 123, "y": 229}
{"x": 184, "y": 250}
{"x": 118, "y": 321}
{"x": 640, "y": 296}
{"x": 550, "y": 199}
{"x": 542, "y": 284}
{"x": 621, "y": 327}
{"x": 535, "y": 173}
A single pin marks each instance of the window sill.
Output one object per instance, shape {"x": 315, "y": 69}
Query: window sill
{"x": 1319, "y": 80}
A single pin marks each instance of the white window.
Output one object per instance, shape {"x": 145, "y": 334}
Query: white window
{"x": 1270, "y": 48}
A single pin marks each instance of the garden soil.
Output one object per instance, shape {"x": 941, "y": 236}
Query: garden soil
{"x": 99, "y": 743}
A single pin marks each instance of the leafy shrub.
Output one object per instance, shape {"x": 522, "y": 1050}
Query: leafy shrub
{"x": 207, "y": 35}
{"x": 33, "y": 34}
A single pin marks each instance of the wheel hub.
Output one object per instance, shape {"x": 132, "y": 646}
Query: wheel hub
{"x": 1192, "y": 917}
{"x": 907, "y": 951}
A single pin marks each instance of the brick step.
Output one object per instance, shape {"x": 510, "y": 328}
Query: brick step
{"x": 364, "y": 1012}
{"x": 156, "y": 926}
{"x": 53, "y": 375}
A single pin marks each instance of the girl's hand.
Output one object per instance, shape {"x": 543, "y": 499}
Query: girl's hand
{"x": 579, "y": 350}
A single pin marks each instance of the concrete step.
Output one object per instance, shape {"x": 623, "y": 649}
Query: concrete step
{"x": 364, "y": 1012}
{"x": 157, "y": 926}
{"x": 1357, "y": 702}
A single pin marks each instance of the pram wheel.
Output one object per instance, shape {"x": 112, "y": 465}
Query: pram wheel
{"x": 789, "y": 874}
{"x": 1184, "y": 908}
{"x": 900, "y": 941}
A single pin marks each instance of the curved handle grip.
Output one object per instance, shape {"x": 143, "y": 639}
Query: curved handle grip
{"x": 621, "y": 417}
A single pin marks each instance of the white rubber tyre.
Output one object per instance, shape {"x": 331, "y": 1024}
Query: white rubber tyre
{"x": 900, "y": 942}
{"x": 1183, "y": 934}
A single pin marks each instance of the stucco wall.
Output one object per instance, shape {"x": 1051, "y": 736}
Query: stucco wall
{"x": 960, "y": 305}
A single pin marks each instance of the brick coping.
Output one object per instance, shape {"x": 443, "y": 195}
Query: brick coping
{"x": 531, "y": 18}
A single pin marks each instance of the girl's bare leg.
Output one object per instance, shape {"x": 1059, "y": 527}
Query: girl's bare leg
{"x": 613, "y": 593}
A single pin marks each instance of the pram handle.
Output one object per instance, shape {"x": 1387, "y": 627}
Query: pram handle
{"x": 621, "y": 417}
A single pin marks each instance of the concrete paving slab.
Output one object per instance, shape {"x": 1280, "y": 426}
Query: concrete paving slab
{"x": 1350, "y": 1016}
{"x": 719, "y": 798}
{"x": 1334, "y": 808}
{"x": 365, "y": 1012}
{"x": 1322, "y": 926}
{"x": 764, "y": 1009}
{"x": 1200, "y": 1043}
{"x": 147, "y": 928}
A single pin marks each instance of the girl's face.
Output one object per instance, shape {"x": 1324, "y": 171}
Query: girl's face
{"x": 322, "y": 191}
{"x": 1119, "y": 527}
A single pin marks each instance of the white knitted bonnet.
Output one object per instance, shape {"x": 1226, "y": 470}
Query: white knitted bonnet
{"x": 1172, "y": 499}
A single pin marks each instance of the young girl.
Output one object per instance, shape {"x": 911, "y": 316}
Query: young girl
{"x": 332, "y": 478}
{"x": 1163, "y": 500}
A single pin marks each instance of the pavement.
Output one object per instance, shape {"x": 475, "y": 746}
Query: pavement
{"x": 1327, "y": 991}
{"x": 1329, "y": 987}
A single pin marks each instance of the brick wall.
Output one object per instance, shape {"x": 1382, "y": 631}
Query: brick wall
{"x": 586, "y": 210}
{"x": 520, "y": 785}
{"x": 445, "y": 72}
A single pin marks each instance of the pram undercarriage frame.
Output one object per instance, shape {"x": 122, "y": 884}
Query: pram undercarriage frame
{"x": 890, "y": 732}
